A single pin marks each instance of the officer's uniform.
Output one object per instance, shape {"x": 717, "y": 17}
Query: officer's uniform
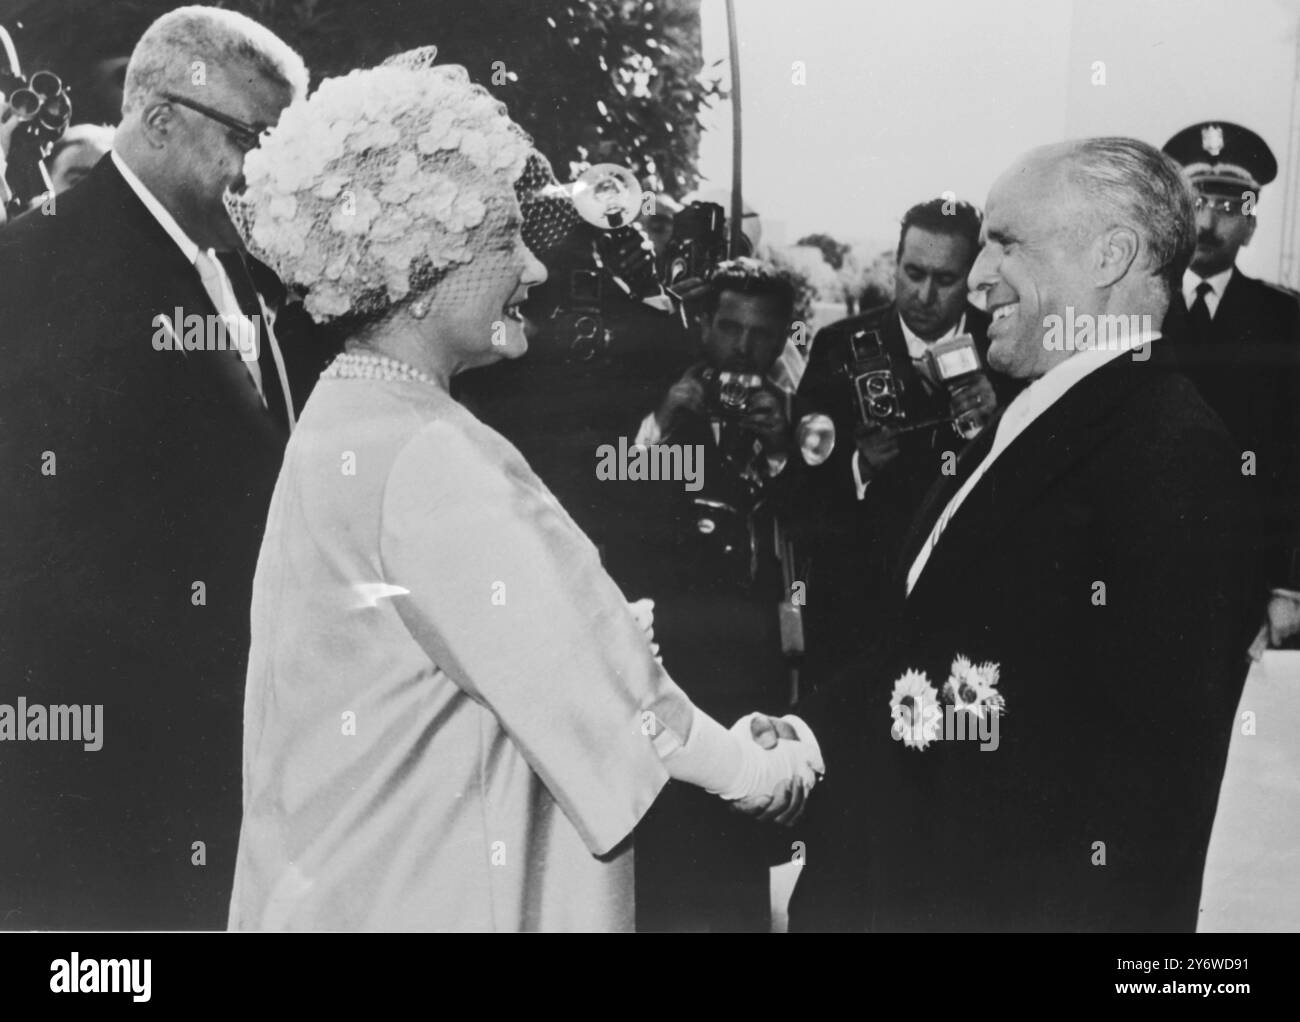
{"x": 1238, "y": 339}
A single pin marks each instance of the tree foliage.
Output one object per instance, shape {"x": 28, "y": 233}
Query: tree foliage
{"x": 833, "y": 251}
{"x": 591, "y": 80}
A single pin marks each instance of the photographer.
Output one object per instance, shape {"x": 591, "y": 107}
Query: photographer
{"x": 698, "y": 392}
{"x": 714, "y": 562}
{"x": 900, "y": 418}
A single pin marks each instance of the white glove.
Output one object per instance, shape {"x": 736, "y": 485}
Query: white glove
{"x": 731, "y": 764}
{"x": 643, "y": 612}
{"x": 804, "y": 757}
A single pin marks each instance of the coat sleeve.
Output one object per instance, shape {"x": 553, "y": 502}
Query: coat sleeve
{"x": 507, "y": 596}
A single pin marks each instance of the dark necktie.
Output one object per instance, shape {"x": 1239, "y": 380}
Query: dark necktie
{"x": 246, "y": 293}
{"x": 1198, "y": 316}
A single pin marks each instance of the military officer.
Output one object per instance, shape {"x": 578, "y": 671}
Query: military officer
{"x": 1239, "y": 341}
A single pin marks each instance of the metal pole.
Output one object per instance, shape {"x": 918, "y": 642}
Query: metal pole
{"x": 737, "y": 207}
{"x": 1287, "y": 269}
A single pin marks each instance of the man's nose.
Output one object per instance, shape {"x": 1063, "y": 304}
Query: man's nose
{"x": 982, "y": 274}
{"x": 1205, "y": 218}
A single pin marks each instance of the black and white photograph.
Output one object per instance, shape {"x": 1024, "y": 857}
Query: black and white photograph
{"x": 651, "y": 466}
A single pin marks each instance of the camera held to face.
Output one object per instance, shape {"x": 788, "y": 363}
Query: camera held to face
{"x": 729, "y": 393}
{"x": 720, "y": 517}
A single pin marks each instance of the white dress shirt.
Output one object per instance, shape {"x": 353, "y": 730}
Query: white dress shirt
{"x": 916, "y": 349}
{"x": 1212, "y": 297}
{"x": 1027, "y": 406}
{"x": 216, "y": 282}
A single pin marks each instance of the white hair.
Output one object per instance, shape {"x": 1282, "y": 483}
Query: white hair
{"x": 1135, "y": 184}
{"x": 166, "y": 55}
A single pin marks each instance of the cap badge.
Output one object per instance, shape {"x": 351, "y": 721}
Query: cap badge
{"x": 1212, "y": 139}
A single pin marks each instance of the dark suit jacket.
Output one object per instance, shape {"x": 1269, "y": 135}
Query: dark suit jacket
{"x": 1248, "y": 370}
{"x": 131, "y": 475}
{"x": 853, "y": 543}
{"x": 1118, "y": 714}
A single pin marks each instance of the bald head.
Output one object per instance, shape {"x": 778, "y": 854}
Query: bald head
{"x": 1097, "y": 227}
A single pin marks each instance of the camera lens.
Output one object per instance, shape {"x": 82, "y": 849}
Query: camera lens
{"x": 46, "y": 84}
{"x": 55, "y": 113}
{"x": 876, "y": 385}
{"x": 25, "y": 103}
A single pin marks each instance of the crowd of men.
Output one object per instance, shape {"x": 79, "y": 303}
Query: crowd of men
{"x": 137, "y": 487}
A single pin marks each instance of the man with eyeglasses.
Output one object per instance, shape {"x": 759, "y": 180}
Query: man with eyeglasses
{"x": 1239, "y": 342}
{"x": 146, "y": 401}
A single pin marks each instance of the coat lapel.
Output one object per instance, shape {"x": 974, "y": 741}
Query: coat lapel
{"x": 142, "y": 244}
{"x": 1048, "y": 448}
{"x": 940, "y": 494}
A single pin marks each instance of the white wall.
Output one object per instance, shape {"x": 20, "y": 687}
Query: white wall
{"x": 905, "y": 100}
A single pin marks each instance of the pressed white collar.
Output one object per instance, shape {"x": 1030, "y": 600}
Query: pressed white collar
{"x": 189, "y": 248}
{"x": 1049, "y": 388}
{"x": 1020, "y": 414}
{"x": 917, "y": 347}
{"x": 1218, "y": 283}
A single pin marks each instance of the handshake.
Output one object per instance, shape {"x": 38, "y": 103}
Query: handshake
{"x": 764, "y": 766}
{"x": 785, "y": 764}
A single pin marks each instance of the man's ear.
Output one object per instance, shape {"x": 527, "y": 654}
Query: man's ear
{"x": 157, "y": 122}
{"x": 1117, "y": 249}
{"x": 1250, "y": 232}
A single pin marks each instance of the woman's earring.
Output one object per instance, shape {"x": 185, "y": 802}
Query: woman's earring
{"x": 420, "y": 308}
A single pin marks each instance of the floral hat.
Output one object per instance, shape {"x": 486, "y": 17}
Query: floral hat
{"x": 382, "y": 182}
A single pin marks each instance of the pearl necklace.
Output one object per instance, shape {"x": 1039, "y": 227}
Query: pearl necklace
{"x": 357, "y": 366}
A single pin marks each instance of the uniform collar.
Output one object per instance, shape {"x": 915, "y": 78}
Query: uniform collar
{"x": 1219, "y": 282}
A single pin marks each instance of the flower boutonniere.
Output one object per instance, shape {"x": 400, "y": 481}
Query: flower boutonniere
{"x": 914, "y": 707}
{"x": 920, "y": 714}
{"x": 972, "y": 688}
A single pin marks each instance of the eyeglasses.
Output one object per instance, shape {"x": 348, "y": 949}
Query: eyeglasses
{"x": 244, "y": 135}
{"x": 1226, "y": 206}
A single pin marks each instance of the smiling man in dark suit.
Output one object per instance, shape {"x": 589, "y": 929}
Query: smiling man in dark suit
{"x": 139, "y": 466}
{"x": 1074, "y": 596}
